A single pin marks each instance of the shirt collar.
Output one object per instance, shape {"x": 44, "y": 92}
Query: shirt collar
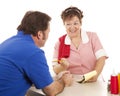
{"x": 25, "y": 36}
{"x": 84, "y": 37}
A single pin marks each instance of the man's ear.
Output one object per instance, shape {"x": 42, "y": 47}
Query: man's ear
{"x": 39, "y": 34}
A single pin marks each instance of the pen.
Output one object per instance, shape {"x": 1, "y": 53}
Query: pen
{"x": 58, "y": 61}
{"x": 55, "y": 60}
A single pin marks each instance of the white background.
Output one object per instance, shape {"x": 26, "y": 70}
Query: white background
{"x": 100, "y": 16}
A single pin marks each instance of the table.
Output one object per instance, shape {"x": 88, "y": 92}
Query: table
{"x": 98, "y": 88}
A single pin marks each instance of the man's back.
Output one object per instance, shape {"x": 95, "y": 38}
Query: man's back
{"x": 13, "y": 55}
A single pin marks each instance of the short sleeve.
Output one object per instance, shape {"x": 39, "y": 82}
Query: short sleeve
{"x": 38, "y": 70}
{"x": 97, "y": 46}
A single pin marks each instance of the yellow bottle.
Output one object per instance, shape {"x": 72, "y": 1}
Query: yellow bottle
{"x": 119, "y": 83}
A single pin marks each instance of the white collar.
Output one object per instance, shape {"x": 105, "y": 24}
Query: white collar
{"x": 84, "y": 37}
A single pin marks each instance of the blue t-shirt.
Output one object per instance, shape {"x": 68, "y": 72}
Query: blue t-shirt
{"x": 22, "y": 64}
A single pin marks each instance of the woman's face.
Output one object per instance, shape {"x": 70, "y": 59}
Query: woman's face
{"x": 73, "y": 26}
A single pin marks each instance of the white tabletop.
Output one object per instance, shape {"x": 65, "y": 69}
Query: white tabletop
{"x": 98, "y": 88}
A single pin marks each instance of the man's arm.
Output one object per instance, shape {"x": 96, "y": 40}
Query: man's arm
{"x": 55, "y": 88}
{"x": 58, "y": 85}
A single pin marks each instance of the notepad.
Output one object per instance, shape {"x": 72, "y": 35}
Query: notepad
{"x": 86, "y": 77}
{"x": 90, "y": 75}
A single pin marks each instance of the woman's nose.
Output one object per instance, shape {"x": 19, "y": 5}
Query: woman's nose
{"x": 72, "y": 27}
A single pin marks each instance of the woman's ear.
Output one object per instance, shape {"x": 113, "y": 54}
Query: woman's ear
{"x": 81, "y": 22}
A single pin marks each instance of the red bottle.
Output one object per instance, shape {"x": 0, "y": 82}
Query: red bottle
{"x": 114, "y": 84}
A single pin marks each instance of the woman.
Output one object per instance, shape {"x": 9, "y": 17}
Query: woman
{"x": 78, "y": 51}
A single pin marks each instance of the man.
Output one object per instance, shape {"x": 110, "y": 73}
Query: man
{"x": 23, "y": 63}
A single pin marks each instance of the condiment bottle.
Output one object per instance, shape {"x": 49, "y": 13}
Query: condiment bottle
{"x": 119, "y": 83}
{"x": 114, "y": 83}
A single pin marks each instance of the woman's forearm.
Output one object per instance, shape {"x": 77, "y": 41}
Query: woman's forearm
{"x": 99, "y": 65}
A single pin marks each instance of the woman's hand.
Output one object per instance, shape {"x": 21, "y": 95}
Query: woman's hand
{"x": 64, "y": 63}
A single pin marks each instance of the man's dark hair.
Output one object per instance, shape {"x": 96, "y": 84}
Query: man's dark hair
{"x": 34, "y": 21}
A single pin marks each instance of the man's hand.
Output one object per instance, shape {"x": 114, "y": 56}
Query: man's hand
{"x": 67, "y": 78}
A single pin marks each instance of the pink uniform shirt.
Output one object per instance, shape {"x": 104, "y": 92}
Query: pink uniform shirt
{"x": 83, "y": 59}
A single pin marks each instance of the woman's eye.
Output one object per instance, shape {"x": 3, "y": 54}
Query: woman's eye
{"x": 75, "y": 23}
{"x": 67, "y": 24}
